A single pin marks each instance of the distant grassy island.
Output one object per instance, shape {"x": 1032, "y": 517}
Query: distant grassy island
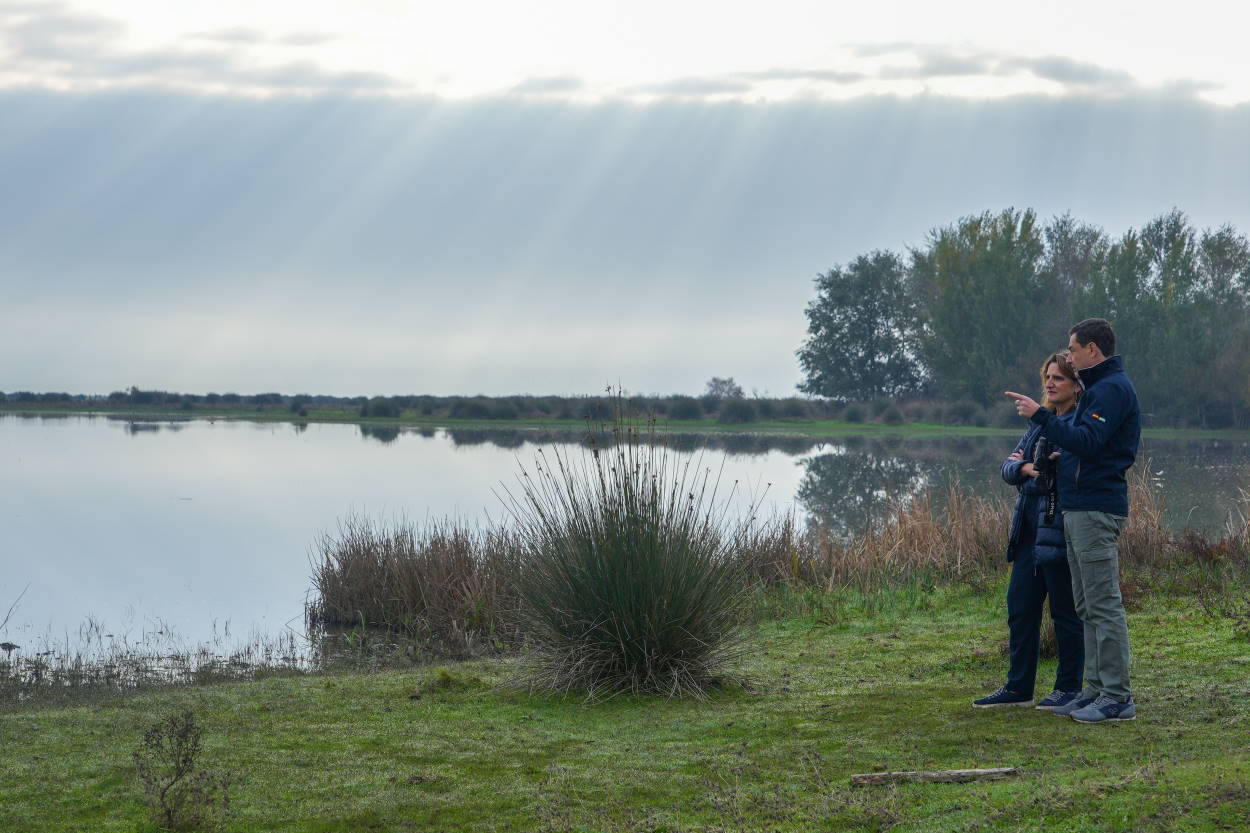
{"x": 811, "y": 417}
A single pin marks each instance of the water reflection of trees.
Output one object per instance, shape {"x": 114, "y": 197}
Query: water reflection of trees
{"x": 847, "y": 489}
{"x": 849, "y": 481}
{"x": 737, "y": 444}
{"x": 853, "y": 484}
{"x": 505, "y": 438}
{"x": 385, "y": 434}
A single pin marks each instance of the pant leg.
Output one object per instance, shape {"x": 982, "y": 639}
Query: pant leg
{"x": 1095, "y": 539}
{"x": 1025, "y": 595}
{"x": 1089, "y": 636}
{"x": 1069, "y": 631}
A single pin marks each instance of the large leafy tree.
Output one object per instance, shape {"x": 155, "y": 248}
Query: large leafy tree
{"x": 861, "y": 332}
{"x": 987, "y": 324}
{"x": 975, "y": 310}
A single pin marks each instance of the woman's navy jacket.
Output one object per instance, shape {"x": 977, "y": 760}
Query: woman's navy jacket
{"x": 1049, "y": 546}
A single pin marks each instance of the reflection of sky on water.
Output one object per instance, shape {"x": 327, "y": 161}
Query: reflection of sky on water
{"x": 149, "y": 526}
{"x": 197, "y": 525}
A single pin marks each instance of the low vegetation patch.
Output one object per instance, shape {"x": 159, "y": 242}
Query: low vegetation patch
{"x": 838, "y": 683}
{"x": 180, "y": 792}
{"x": 450, "y": 587}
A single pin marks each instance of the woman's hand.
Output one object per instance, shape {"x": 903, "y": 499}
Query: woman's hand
{"x": 1028, "y": 471}
{"x": 1017, "y": 456}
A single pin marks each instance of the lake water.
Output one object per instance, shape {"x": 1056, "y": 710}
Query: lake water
{"x": 204, "y": 529}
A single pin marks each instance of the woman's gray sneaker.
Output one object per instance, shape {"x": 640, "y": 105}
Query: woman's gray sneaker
{"x": 1003, "y": 697}
{"x": 1057, "y": 698}
{"x": 1106, "y": 709}
{"x": 1079, "y": 702}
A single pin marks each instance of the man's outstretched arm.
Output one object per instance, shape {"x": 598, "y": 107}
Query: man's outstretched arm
{"x": 1103, "y": 412}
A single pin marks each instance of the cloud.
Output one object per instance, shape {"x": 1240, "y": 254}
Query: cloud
{"x": 247, "y": 36}
{"x": 920, "y": 62}
{"x": 51, "y": 44}
{"x": 896, "y": 68}
{"x": 695, "y": 87}
{"x": 307, "y": 75}
{"x": 54, "y": 32}
{"x": 57, "y": 44}
{"x": 827, "y": 75}
{"x": 549, "y": 85}
{"x": 234, "y": 35}
{"x": 306, "y": 39}
{"x": 940, "y": 65}
{"x": 1069, "y": 71}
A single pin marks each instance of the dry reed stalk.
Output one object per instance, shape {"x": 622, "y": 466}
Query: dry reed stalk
{"x": 447, "y": 584}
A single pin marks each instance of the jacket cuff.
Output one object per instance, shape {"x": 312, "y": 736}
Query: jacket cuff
{"x": 1011, "y": 472}
{"x": 1040, "y": 416}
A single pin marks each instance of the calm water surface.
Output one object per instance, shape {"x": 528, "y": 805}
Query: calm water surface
{"x": 204, "y": 529}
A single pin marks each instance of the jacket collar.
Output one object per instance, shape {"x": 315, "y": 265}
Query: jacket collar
{"x": 1103, "y": 369}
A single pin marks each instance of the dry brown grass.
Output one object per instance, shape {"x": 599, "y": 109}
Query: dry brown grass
{"x": 448, "y": 585}
{"x": 953, "y": 535}
{"x": 455, "y": 587}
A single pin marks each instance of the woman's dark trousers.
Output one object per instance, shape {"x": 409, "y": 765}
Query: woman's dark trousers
{"x": 1030, "y": 585}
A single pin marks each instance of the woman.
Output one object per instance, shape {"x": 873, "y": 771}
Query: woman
{"x": 1038, "y": 555}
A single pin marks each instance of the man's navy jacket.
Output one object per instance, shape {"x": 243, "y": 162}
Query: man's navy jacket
{"x": 1102, "y": 440}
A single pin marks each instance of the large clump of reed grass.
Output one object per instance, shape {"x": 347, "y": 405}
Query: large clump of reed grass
{"x": 447, "y": 585}
{"x": 630, "y": 582}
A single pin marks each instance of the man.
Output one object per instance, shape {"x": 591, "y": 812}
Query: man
{"x": 1101, "y": 444}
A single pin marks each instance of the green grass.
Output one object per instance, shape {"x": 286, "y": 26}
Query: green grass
{"x": 841, "y": 684}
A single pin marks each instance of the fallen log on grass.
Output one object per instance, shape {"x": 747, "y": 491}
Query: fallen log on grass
{"x": 943, "y": 776}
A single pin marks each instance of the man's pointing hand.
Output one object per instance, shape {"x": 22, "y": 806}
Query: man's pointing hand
{"x": 1025, "y": 406}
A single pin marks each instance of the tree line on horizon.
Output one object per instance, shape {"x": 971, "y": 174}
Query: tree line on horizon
{"x": 976, "y": 309}
{"x": 722, "y": 400}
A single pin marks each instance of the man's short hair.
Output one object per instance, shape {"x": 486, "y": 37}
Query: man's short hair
{"x": 1097, "y": 330}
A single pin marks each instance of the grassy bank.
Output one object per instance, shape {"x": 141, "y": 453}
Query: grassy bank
{"x": 835, "y": 684}
{"x": 804, "y": 428}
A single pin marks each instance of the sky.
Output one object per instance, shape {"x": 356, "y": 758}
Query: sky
{"x": 516, "y": 197}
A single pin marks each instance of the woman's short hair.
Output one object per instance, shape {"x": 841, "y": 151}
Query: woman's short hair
{"x": 1063, "y": 360}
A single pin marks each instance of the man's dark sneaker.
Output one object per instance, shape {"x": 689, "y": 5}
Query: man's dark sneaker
{"x": 1079, "y": 702}
{"x": 1106, "y": 709}
{"x": 1057, "y": 698}
{"x": 1003, "y": 697}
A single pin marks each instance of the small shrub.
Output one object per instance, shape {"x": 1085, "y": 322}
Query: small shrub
{"x": 470, "y": 409}
{"x": 685, "y": 407}
{"x": 180, "y": 794}
{"x": 736, "y": 411}
{"x": 893, "y": 415}
{"x": 505, "y": 410}
{"x": 1003, "y": 415}
{"x": 854, "y": 413}
{"x": 794, "y": 409}
{"x": 381, "y": 407}
{"x": 963, "y": 412}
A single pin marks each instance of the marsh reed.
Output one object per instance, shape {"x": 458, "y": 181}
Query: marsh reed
{"x": 450, "y": 586}
{"x": 459, "y": 585}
